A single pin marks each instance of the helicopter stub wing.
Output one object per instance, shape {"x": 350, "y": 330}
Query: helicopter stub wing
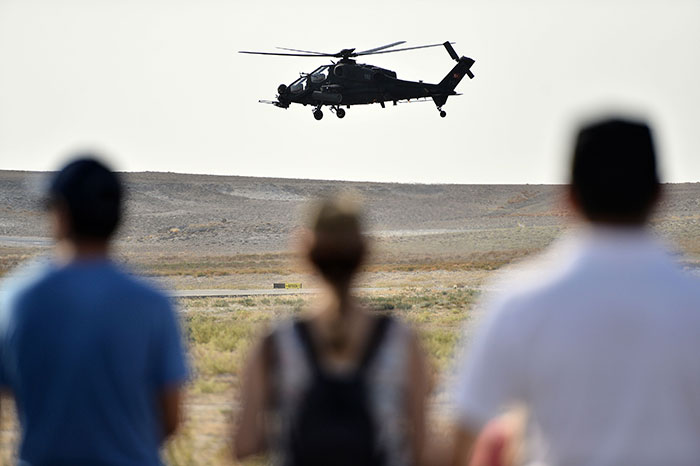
{"x": 276, "y": 103}
{"x": 414, "y": 101}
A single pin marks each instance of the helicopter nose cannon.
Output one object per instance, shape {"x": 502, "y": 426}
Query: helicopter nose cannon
{"x": 283, "y": 99}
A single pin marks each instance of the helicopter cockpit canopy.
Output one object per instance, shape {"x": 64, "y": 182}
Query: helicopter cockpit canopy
{"x": 320, "y": 74}
{"x": 317, "y": 76}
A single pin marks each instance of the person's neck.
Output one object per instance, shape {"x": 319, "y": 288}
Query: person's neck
{"x": 618, "y": 228}
{"x": 619, "y": 224}
{"x": 341, "y": 301}
{"x": 68, "y": 251}
{"x": 340, "y": 322}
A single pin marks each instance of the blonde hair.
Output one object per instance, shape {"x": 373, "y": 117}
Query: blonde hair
{"x": 339, "y": 245}
{"x": 338, "y": 213}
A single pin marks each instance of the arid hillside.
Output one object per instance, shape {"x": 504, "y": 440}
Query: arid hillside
{"x": 176, "y": 214}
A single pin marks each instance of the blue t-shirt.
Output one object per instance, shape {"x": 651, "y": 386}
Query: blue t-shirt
{"x": 86, "y": 349}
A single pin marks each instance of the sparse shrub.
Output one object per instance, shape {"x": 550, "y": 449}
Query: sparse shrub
{"x": 209, "y": 361}
{"x": 220, "y": 303}
{"x": 204, "y": 386}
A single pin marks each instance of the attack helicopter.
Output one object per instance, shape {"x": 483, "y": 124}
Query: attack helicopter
{"x": 345, "y": 82}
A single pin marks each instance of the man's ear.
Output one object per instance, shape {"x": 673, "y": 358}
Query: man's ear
{"x": 659, "y": 195}
{"x": 60, "y": 222}
{"x": 572, "y": 201}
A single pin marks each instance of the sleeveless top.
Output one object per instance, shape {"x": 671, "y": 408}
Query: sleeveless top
{"x": 387, "y": 383}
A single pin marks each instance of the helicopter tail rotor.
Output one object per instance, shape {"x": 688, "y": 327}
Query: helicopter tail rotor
{"x": 451, "y": 51}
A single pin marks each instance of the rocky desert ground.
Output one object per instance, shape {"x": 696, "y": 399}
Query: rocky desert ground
{"x": 434, "y": 247}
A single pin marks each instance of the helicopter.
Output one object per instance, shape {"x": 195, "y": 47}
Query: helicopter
{"x": 346, "y": 82}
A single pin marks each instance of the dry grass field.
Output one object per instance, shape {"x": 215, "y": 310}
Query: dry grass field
{"x": 434, "y": 248}
{"x": 221, "y": 330}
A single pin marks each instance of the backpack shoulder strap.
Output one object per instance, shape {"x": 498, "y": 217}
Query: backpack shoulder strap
{"x": 374, "y": 342}
{"x": 271, "y": 365}
{"x": 269, "y": 351}
{"x": 382, "y": 324}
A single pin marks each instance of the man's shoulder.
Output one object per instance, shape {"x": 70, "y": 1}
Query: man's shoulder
{"x": 563, "y": 277}
{"x": 525, "y": 295}
{"x": 137, "y": 287}
{"x": 685, "y": 285}
{"x": 524, "y": 283}
{"x": 26, "y": 280}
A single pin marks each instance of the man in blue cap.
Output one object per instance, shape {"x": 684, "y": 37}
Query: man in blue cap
{"x": 92, "y": 355}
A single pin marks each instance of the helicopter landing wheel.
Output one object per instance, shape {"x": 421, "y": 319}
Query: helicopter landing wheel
{"x": 340, "y": 113}
{"x": 318, "y": 114}
{"x": 443, "y": 114}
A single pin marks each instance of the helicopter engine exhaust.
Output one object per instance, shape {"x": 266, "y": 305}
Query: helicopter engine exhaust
{"x": 327, "y": 97}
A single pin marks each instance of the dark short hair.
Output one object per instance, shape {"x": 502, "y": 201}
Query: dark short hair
{"x": 614, "y": 174}
{"x": 92, "y": 195}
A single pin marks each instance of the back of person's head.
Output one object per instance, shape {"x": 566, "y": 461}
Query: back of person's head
{"x": 338, "y": 246}
{"x": 90, "y": 195}
{"x": 614, "y": 177}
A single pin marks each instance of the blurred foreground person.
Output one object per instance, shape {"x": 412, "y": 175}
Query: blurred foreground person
{"x": 339, "y": 386}
{"x": 600, "y": 340}
{"x": 92, "y": 356}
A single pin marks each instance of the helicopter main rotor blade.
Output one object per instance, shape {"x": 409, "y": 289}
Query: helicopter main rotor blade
{"x": 304, "y": 51}
{"x": 403, "y": 49}
{"x": 287, "y": 54}
{"x": 345, "y": 53}
{"x": 376, "y": 49}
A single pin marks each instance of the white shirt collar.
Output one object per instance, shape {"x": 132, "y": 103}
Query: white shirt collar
{"x": 617, "y": 243}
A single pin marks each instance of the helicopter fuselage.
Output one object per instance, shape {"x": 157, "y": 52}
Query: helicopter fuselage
{"x": 348, "y": 83}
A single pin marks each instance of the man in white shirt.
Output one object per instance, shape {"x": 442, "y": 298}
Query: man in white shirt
{"x": 600, "y": 338}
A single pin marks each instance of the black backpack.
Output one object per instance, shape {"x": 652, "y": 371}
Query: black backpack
{"x": 333, "y": 424}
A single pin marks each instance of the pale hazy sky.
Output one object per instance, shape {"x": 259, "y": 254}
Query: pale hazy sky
{"x": 157, "y": 85}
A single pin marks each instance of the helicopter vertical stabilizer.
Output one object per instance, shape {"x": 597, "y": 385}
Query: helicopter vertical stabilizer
{"x": 463, "y": 66}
